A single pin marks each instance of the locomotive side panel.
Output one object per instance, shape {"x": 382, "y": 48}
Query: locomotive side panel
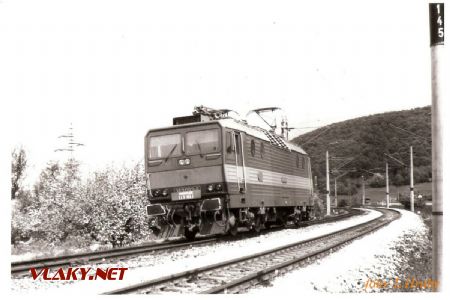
{"x": 273, "y": 176}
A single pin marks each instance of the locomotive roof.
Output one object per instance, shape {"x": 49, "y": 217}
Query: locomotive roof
{"x": 255, "y": 131}
{"x": 261, "y": 134}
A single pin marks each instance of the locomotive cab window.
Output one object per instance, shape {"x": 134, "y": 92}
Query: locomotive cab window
{"x": 237, "y": 143}
{"x": 165, "y": 146}
{"x": 202, "y": 141}
{"x": 229, "y": 141}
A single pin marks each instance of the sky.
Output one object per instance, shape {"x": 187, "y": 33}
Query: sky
{"x": 114, "y": 69}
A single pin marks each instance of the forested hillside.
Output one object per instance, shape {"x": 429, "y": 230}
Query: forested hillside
{"x": 366, "y": 140}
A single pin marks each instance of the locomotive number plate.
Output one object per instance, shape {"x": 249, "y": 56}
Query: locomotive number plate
{"x": 186, "y": 195}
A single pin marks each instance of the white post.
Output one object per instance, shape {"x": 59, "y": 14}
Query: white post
{"x": 335, "y": 193}
{"x": 328, "y": 183}
{"x": 412, "y": 179}
{"x": 436, "y": 13}
{"x": 310, "y": 176}
{"x": 387, "y": 185}
{"x": 363, "y": 192}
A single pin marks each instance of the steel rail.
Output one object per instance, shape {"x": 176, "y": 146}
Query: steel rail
{"x": 265, "y": 275}
{"x": 195, "y": 274}
{"x": 86, "y": 257}
{"x": 22, "y": 267}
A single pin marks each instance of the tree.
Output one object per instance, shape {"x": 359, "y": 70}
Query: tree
{"x": 18, "y": 166}
{"x": 118, "y": 199}
{"x": 398, "y": 179}
{"x": 107, "y": 207}
{"x": 368, "y": 138}
{"x": 58, "y": 202}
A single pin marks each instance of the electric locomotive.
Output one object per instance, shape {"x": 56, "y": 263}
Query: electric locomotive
{"x": 210, "y": 173}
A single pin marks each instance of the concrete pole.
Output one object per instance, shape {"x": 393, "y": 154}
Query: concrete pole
{"x": 313, "y": 188}
{"x": 411, "y": 179}
{"x": 335, "y": 193}
{"x": 387, "y": 185}
{"x": 363, "y": 192}
{"x": 328, "y": 184}
{"x": 436, "y": 11}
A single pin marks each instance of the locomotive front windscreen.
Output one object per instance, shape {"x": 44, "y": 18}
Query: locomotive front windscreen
{"x": 201, "y": 142}
{"x": 165, "y": 145}
{"x": 197, "y": 142}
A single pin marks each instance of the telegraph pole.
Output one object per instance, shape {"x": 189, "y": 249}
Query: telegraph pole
{"x": 436, "y": 11}
{"x": 411, "y": 179}
{"x": 387, "y": 184}
{"x": 328, "y": 183}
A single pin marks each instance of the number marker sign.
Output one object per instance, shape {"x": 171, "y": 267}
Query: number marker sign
{"x": 436, "y": 24}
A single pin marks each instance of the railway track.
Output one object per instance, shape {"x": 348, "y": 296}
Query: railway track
{"x": 23, "y": 267}
{"x": 239, "y": 274}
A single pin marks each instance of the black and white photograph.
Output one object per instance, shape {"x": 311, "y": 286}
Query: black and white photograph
{"x": 267, "y": 148}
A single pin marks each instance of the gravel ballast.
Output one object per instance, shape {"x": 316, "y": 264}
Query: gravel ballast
{"x": 378, "y": 262}
{"x": 147, "y": 267}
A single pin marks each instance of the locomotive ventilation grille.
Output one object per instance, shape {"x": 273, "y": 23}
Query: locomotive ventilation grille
{"x": 276, "y": 140}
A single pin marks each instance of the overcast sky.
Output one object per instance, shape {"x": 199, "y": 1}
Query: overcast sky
{"x": 118, "y": 68}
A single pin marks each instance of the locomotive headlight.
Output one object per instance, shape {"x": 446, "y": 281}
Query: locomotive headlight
{"x": 165, "y": 192}
{"x": 210, "y": 188}
{"x": 184, "y": 162}
{"x": 218, "y": 187}
{"x": 156, "y": 193}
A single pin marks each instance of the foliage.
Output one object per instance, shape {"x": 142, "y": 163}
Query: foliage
{"x": 366, "y": 139}
{"x": 109, "y": 207}
{"x": 342, "y": 203}
{"x": 18, "y": 166}
{"x": 119, "y": 215}
{"x": 319, "y": 205}
{"x": 418, "y": 201}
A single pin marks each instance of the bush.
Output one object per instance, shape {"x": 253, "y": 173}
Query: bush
{"x": 107, "y": 208}
{"x": 119, "y": 214}
{"x": 342, "y": 203}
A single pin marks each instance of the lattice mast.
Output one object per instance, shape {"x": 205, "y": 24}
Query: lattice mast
{"x": 71, "y": 143}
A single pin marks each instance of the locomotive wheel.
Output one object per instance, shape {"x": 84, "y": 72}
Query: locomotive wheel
{"x": 190, "y": 234}
{"x": 258, "y": 224}
{"x": 233, "y": 226}
{"x": 234, "y": 230}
